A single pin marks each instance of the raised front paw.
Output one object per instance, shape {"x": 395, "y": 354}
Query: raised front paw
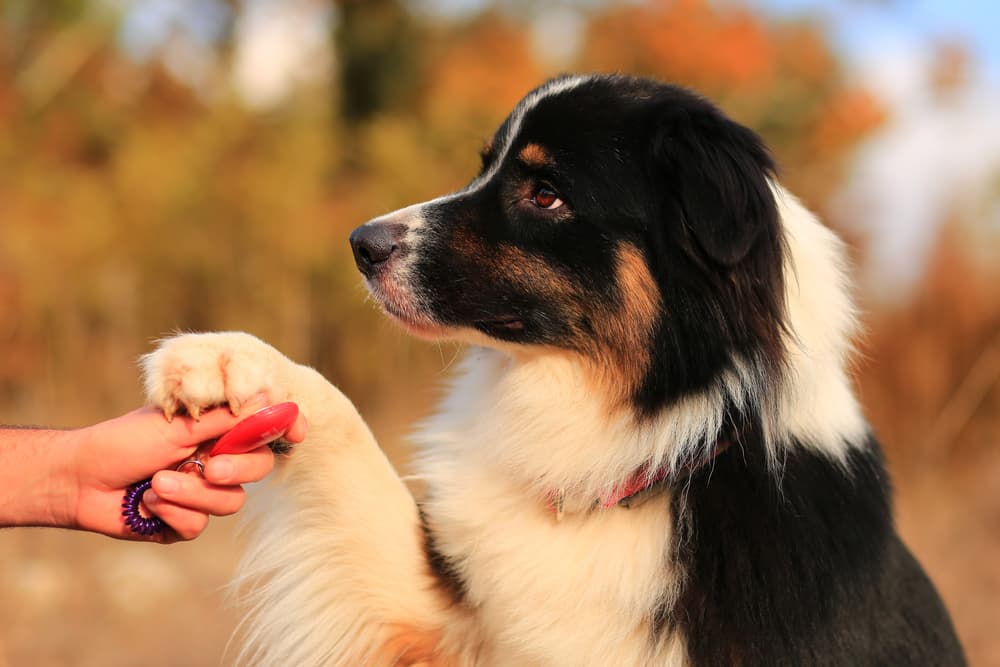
{"x": 194, "y": 372}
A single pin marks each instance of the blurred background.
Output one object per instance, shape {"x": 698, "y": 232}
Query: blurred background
{"x": 176, "y": 165}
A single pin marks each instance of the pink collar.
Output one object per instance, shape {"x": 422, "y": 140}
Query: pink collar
{"x": 639, "y": 485}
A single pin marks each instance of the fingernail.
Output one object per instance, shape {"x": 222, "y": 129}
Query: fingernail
{"x": 167, "y": 485}
{"x": 150, "y": 497}
{"x": 220, "y": 469}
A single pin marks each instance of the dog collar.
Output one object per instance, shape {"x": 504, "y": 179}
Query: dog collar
{"x": 640, "y": 486}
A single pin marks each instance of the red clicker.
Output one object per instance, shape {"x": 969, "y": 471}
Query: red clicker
{"x": 258, "y": 429}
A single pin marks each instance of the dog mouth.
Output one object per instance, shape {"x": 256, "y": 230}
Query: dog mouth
{"x": 405, "y": 307}
{"x": 399, "y": 303}
{"x": 421, "y": 327}
{"x": 504, "y": 327}
{"x": 507, "y": 327}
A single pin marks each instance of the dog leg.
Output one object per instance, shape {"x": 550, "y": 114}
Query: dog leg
{"x": 335, "y": 573}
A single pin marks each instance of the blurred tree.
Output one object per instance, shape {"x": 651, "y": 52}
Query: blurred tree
{"x": 378, "y": 51}
{"x": 465, "y": 91}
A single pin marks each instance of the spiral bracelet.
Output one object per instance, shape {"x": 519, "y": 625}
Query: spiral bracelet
{"x": 133, "y": 517}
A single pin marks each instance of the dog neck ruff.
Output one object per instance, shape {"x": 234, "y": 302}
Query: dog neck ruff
{"x": 641, "y": 485}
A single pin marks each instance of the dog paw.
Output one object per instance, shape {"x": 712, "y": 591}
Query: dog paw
{"x": 196, "y": 372}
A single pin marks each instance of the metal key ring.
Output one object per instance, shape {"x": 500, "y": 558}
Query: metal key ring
{"x": 195, "y": 461}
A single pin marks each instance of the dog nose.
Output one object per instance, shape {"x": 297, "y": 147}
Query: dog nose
{"x": 373, "y": 244}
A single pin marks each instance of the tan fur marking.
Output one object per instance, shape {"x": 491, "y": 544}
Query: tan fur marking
{"x": 639, "y": 293}
{"x": 535, "y": 274}
{"x": 626, "y": 333}
{"x": 534, "y": 155}
{"x": 410, "y": 646}
{"x": 510, "y": 263}
{"x": 467, "y": 246}
{"x": 618, "y": 347}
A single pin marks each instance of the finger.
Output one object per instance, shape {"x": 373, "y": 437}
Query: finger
{"x": 228, "y": 469}
{"x": 183, "y": 522}
{"x": 193, "y": 492}
{"x": 297, "y": 433}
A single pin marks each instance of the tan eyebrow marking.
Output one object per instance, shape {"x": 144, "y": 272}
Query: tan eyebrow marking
{"x": 534, "y": 155}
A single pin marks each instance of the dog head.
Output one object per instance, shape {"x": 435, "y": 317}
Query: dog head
{"x": 622, "y": 220}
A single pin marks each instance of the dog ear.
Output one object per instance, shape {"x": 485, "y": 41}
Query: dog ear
{"x": 718, "y": 177}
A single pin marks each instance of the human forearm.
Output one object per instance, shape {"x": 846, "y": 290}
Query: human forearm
{"x": 37, "y": 484}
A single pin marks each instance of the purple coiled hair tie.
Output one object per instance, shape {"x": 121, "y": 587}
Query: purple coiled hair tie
{"x": 133, "y": 517}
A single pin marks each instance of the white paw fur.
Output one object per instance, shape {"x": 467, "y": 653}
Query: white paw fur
{"x": 195, "y": 372}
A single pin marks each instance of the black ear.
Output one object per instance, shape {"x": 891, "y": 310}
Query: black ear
{"x": 717, "y": 173}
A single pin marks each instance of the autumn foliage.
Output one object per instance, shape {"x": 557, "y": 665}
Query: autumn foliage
{"x": 133, "y": 204}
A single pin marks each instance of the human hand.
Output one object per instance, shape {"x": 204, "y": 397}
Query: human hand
{"x": 112, "y": 455}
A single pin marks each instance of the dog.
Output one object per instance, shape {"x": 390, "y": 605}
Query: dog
{"x": 651, "y": 453}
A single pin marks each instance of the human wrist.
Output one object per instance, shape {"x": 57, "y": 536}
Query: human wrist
{"x": 64, "y": 495}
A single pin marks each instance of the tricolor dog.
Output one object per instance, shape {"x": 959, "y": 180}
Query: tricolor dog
{"x": 651, "y": 454}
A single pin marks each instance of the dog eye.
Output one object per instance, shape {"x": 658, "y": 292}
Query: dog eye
{"x": 546, "y": 198}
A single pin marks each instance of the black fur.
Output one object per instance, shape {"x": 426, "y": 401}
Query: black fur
{"x": 800, "y": 566}
{"x": 716, "y": 249}
{"x": 442, "y": 568}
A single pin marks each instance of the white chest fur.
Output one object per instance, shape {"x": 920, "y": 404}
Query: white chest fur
{"x": 579, "y": 591}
